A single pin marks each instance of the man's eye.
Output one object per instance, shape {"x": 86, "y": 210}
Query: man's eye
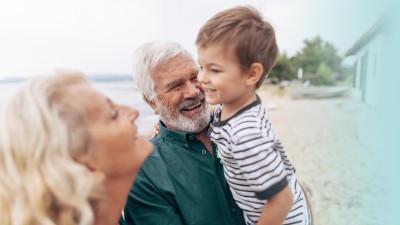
{"x": 176, "y": 87}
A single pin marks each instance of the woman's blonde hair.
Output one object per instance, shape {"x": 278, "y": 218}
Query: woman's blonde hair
{"x": 42, "y": 136}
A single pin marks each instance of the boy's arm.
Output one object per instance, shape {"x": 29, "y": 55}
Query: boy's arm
{"x": 277, "y": 208}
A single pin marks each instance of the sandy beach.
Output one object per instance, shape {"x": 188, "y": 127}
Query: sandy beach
{"x": 333, "y": 163}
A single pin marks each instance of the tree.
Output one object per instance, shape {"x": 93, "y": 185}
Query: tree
{"x": 283, "y": 69}
{"x": 325, "y": 74}
{"x": 317, "y": 58}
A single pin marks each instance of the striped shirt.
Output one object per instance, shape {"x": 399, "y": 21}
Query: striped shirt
{"x": 256, "y": 166}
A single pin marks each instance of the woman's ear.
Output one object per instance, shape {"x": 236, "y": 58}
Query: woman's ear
{"x": 254, "y": 74}
{"x": 98, "y": 174}
{"x": 88, "y": 161}
{"x": 94, "y": 168}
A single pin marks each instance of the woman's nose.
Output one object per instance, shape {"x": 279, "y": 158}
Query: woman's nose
{"x": 131, "y": 113}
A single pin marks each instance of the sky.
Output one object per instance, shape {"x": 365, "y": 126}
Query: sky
{"x": 99, "y": 36}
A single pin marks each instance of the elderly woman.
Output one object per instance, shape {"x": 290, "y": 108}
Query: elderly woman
{"x": 68, "y": 154}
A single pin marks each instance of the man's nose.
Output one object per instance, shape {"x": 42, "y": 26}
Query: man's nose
{"x": 192, "y": 90}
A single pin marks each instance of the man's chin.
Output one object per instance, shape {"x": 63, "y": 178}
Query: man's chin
{"x": 194, "y": 124}
{"x": 193, "y": 121}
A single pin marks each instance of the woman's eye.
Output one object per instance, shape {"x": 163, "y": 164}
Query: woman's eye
{"x": 115, "y": 114}
{"x": 215, "y": 70}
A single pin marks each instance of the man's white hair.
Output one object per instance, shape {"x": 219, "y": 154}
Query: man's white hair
{"x": 148, "y": 57}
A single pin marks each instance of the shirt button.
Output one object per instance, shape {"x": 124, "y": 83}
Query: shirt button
{"x": 204, "y": 152}
{"x": 233, "y": 210}
{"x": 191, "y": 137}
{"x": 186, "y": 145}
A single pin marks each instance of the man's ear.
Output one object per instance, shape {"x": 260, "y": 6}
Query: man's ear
{"x": 254, "y": 73}
{"x": 152, "y": 104}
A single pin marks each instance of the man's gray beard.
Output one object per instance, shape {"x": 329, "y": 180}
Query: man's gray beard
{"x": 179, "y": 122}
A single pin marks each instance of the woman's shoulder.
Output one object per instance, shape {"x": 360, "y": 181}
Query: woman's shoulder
{"x": 122, "y": 221}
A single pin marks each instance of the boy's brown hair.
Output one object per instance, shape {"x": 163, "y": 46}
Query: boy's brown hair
{"x": 243, "y": 30}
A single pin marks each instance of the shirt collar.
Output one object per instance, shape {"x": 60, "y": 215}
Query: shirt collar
{"x": 177, "y": 137}
{"x": 218, "y": 110}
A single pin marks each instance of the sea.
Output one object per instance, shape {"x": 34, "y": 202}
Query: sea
{"x": 120, "y": 89}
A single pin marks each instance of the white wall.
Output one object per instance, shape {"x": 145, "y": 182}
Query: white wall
{"x": 373, "y": 71}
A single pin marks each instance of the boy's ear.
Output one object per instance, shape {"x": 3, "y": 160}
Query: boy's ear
{"x": 254, "y": 73}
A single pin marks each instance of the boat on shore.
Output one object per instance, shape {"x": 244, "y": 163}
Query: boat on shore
{"x": 315, "y": 93}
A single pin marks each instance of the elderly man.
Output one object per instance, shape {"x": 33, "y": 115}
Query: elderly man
{"x": 182, "y": 182}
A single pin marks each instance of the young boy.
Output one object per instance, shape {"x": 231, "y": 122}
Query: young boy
{"x": 236, "y": 51}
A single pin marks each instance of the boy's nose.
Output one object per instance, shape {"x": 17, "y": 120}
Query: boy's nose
{"x": 201, "y": 77}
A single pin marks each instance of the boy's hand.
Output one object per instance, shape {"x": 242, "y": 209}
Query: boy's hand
{"x": 277, "y": 208}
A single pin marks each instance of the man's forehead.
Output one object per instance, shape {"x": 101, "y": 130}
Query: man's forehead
{"x": 176, "y": 68}
{"x": 178, "y": 63}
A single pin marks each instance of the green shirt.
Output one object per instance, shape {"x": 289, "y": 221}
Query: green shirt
{"x": 181, "y": 183}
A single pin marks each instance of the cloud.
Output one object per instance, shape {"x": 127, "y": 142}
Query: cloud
{"x": 99, "y": 36}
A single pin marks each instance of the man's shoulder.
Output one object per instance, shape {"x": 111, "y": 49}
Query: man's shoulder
{"x": 156, "y": 162}
{"x": 156, "y": 139}
{"x": 161, "y": 143}
{"x": 155, "y": 156}
{"x": 156, "y": 167}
